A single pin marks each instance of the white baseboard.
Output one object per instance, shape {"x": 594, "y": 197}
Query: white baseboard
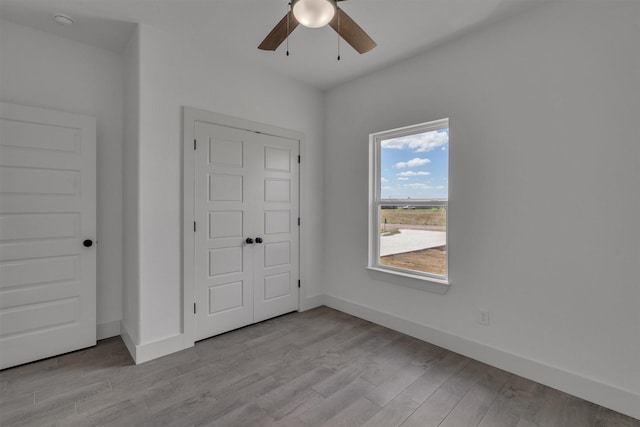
{"x": 128, "y": 342}
{"x": 141, "y": 353}
{"x": 311, "y": 302}
{"x": 107, "y": 330}
{"x": 155, "y": 349}
{"x": 620, "y": 400}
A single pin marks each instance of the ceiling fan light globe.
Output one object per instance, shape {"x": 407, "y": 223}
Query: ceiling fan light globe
{"x": 314, "y": 13}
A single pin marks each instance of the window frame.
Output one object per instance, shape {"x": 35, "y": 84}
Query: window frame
{"x": 376, "y": 202}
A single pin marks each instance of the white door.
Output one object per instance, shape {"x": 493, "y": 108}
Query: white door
{"x": 275, "y": 260}
{"x": 47, "y": 211}
{"x": 246, "y": 231}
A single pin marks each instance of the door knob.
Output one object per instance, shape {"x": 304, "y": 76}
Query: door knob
{"x": 87, "y": 243}
{"x": 249, "y": 241}
{"x": 258, "y": 239}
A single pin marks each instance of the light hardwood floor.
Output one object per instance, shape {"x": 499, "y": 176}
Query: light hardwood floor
{"x": 317, "y": 368}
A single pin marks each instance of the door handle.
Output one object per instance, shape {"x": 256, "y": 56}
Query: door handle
{"x": 258, "y": 239}
{"x": 249, "y": 241}
{"x": 87, "y": 243}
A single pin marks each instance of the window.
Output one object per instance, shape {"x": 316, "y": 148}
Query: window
{"x": 409, "y": 194}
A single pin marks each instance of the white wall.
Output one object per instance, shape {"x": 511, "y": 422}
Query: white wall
{"x": 43, "y": 70}
{"x": 130, "y": 169}
{"x": 176, "y": 73}
{"x": 544, "y": 204}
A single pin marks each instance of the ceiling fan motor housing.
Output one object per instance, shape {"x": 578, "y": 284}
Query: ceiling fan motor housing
{"x": 313, "y": 13}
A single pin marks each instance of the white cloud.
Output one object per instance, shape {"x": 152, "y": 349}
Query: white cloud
{"x": 412, "y": 173}
{"x": 387, "y": 188}
{"x": 383, "y": 179}
{"x": 418, "y": 143}
{"x": 402, "y": 178}
{"x": 412, "y": 163}
{"x": 419, "y": 186}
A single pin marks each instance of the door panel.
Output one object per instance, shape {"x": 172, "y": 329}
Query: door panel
{"x": 47, "y": 209}
{"x": 278, "y": 253}
{"x": 225, "y": 187}
{"x": 245, "y": 187}
{"x": 276, "y": 222}
{"x": 39, "y": 270}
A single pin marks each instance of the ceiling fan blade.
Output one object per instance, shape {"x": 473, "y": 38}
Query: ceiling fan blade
{"x": 279, "y": 33}
{"x": 351, "y": 32}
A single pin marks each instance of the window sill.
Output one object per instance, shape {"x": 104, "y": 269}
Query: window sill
{"x": 416, "y": 281}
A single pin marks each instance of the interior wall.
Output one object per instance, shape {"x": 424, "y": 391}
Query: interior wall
{"x": 176, "y": 73}
{"x": 43, "y": 70}
{"x": 131, "y": 166}
{"x": 544, "y": 201}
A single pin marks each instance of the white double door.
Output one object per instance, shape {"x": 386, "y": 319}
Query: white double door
{"x": 47, "y": 227}
{"x": 246, "y": 231}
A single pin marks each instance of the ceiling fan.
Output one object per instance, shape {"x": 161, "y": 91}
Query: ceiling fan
{"x": 316, "y": 14}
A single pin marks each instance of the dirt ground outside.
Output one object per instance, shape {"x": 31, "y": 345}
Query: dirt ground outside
{"x": 433, "y": 260}
{"x": 424, "y": 217}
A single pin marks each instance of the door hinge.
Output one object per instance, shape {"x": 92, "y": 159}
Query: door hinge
{"x": 298, "y": 283}
{"x": 298, "y": 158}
{"x": 298, "y": 220}
{"x": 195, "y": 144}
{"x": 194, "y": 226}
{"x": 194, "y": 308}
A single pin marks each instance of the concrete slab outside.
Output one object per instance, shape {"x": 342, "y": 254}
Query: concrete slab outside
{"x": 411, "y": 240}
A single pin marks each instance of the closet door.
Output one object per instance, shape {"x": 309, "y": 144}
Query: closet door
{"x": 225, "y": 202}
{"x": 246, "y": 232}
{"x": 275, "y": 261}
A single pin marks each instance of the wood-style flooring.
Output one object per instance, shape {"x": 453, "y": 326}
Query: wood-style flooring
{"x": 317, "y": 368}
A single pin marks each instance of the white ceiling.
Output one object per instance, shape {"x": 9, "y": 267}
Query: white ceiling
{"x": 234, "y": 28}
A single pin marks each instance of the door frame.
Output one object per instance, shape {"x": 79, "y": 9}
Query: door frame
{"x": 191, "y": 115}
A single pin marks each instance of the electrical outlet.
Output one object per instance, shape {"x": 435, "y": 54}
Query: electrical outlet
{"x": 484, "y": 317}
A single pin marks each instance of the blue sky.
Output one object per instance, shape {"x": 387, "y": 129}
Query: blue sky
{"x": 415, "y": 166}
